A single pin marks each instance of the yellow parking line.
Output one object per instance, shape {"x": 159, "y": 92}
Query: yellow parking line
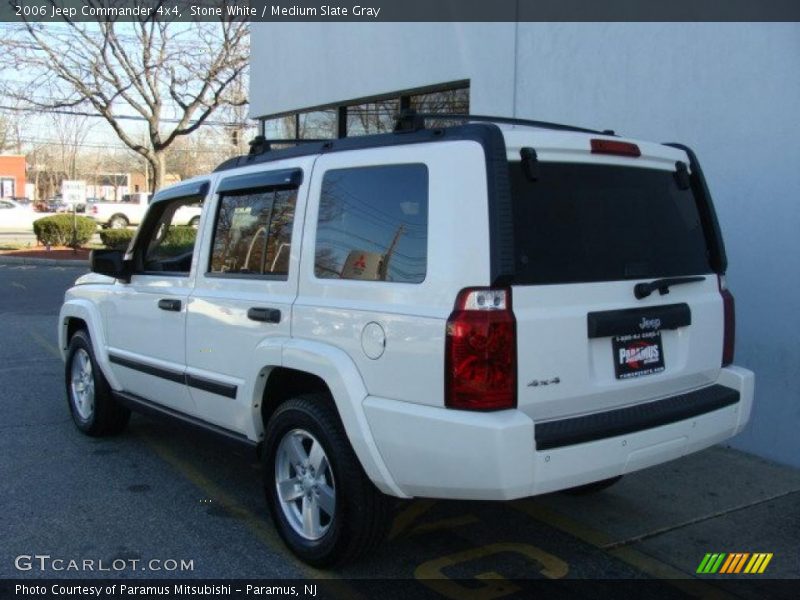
{"x": 255, "y": 523}
{"x": 444, "y": 524}
{"x": 493, "y": 585}
{"x": 45, "y": 343}
{"x": 641, "y": 561}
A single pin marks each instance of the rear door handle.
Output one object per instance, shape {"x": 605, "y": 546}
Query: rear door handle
{"x": 266, "y": 315}
{"x": 169, "y": 304}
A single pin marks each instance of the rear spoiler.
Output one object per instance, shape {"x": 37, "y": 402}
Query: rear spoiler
{"x": 708, "y": 216}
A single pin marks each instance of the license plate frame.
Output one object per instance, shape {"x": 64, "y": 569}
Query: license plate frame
{"x": 637, "y": 354}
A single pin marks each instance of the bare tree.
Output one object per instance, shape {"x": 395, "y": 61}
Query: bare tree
{"x": 157, "y": 71}
{"x": 71, "y": 132}
{"x": 11, "y": 133}
{"x": 5, "y": 133}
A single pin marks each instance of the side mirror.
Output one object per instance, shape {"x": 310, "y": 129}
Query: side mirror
{"x": 110, "y": 263}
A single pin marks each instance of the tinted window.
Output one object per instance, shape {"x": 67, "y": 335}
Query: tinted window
{"x": 253, "y": 233}
{"x": 582, "y": 222}
{"x": 373, "y": 224}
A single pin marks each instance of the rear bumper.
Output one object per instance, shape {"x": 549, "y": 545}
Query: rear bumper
{"x": 441, "y": 453}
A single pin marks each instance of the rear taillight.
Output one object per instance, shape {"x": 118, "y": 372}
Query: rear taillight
{"x": 94, "y": 210}
{"x": 481, "y": 351}
{"x": 615, "y": 147}
{"x": 729, "y": 337}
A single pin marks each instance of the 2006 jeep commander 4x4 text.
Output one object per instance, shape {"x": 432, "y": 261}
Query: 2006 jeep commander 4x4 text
{"x": 490, "y": 310}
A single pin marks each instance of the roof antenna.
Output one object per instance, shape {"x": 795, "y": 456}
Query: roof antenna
{"x": 258, "y": 145}
{"x": 408, "y": 121}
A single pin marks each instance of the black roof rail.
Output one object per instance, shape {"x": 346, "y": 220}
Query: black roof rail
{"x": 261, "y": 144}
{"x": 410, "y": 120}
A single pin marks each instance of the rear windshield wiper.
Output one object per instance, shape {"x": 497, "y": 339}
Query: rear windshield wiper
{"x": 643, "y": 290}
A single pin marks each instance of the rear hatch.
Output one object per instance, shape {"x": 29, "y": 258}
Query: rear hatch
{"x": 588, "y": 229}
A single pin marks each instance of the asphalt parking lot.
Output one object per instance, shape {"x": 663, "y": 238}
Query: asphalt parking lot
{"x": 160, "y": 492}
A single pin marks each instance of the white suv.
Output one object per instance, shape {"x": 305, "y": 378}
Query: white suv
{"x": 485, "y": 311}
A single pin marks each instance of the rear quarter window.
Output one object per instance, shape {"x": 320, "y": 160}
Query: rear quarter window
{"x": 373, "y": 224}
{"x": 587, "y": 222}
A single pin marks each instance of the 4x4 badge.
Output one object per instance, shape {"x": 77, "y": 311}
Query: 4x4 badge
{"x": 538, "y": 382}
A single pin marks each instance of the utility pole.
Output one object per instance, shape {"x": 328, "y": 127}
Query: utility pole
{"x": 384, "y": 270}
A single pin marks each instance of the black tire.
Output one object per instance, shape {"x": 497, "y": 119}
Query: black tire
{"x": 118, "y": 222}
{"x": 592, "y": 488}
{"x": 194, "y": 222}
{"x": 361, "y": 515}
{"x": 106, "y": 416}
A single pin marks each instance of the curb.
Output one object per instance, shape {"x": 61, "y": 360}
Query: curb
{"x": 53, "y": 262}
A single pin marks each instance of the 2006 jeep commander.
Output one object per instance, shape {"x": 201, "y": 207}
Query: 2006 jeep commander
{"x": 490, "y": 310}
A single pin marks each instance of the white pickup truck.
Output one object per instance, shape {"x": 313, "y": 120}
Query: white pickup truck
{"x": 132, "y": 208}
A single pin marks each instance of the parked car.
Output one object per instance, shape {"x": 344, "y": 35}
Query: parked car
{"x": 132, "y": 208}
{"x": 15, "y": 217}
{"x": 486, "y": 311}
{"x": 55, "y": 204}
{"x": 75, "y": 206}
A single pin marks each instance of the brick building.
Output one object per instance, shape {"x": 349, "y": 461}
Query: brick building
{"x": 12, "y": 176}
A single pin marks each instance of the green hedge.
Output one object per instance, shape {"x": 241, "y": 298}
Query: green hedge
{"x": 116, "y": 239}
{"x": 180, "y": 239}
{"x": 58, "y": 230}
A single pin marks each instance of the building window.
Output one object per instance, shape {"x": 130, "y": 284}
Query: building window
{"x": 7, "y": 187}
{"x": 372, "y": 117}
{"x": 373, "y": 224}
{"x": 253, "y": 233}
{"x": 376, "y": 115}
{"x": 454, "y": 102}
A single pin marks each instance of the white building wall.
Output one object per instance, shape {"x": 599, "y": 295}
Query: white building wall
{"x": 731, "y": 91}
{"x": 310, "y": 64}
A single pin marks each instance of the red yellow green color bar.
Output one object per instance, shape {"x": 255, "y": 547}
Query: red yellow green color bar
{"x": 734, "y": 563}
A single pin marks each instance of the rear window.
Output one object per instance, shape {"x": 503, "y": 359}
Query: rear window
{"x": 583, "y": 223}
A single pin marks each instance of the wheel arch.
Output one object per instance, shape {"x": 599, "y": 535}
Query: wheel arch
{"x": 307, "y": 366}
{"x": 81, "y": 314}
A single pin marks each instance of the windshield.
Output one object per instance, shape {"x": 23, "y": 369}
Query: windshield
{"x": 588, "y": 222}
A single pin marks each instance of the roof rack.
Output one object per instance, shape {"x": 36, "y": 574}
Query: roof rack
{"x": 410, "y": 128}
{"x": 260, "y": 144}
{"x": 410, "y": 120}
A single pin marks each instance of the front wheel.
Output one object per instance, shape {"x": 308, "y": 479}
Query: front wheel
{"x": 325, "y": 508}
{"x": 94, "y": 410}
{"x": 194, "y": 223}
